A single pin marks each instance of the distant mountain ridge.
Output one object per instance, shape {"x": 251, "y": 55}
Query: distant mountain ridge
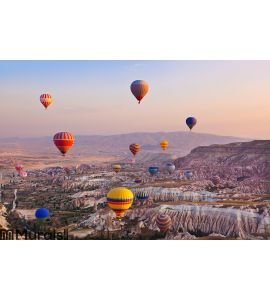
{"x": 180, "y": 143}
{"x": 243, "y": 164}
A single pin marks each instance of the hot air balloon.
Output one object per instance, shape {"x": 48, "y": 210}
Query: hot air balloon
{"x": 119, "y": 200}
{"x": 23, "y": 174}
{"x": 19, "y": 167}
{"x": 142, "y": 195}
{"x": 139, "y": 89}
{"x": 134, "y": 148}
{"x": 42, "y": 213}
{"x": 191, "y": 122}
{"x": 63, "y": 141}
{"x": 164, "y": 144}
{"x": 138, "y": 180}
{"x": 188, "y": 174}
{"x": 216, "y": 179}
{"x": 163, "y": 222}
{"x": 170, "y": 167}
{"x": 46, "y": 100}
{"x": 117, "y": 168}
{"x": 153, "y": 170}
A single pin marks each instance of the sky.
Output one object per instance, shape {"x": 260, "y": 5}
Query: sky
{"x": 93, "y": 97}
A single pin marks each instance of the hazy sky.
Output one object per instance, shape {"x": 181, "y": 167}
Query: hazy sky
{"x": 93, "y": 97}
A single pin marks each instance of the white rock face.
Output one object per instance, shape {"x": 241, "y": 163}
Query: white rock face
{"x": 206, "y": 220}
{"x": 160, "y": 194}
{"x": 3, "y": 221}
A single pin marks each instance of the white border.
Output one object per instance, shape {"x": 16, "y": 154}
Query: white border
{"x": 141, "y": 29}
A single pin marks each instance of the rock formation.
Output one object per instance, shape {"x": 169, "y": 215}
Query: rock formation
{"x": 243, "y": 166}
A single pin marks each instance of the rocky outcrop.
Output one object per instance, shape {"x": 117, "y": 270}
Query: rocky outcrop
{"x": 3, "y": 215}
{"x": 244, "y": 166}
{"x": 206, "y": 220}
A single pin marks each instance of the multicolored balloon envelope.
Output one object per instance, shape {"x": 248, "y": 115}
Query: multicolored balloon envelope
{"x": 191, "y": 122}
{"x": 139, "y": 89}
{"x": 142, "y": 195}
{"x": 63, "y": 141}
{"x": 120, "y": 200}
{"x": 134, "y": 148}
{"x": 163, "y": 222}
{"x": 153, "y": 170}
{"x": 164, "y": 144}
{"x": 42, "y": 213}
{"x": 117, "y": 168}
{"x": 46, "y": 100}
{"x": 170, "y": 167}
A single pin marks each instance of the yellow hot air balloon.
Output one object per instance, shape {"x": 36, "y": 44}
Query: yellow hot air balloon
{"x": 120, "y": 200}
{"x": 164, "y": 144}
{"x": 117, "y": 168}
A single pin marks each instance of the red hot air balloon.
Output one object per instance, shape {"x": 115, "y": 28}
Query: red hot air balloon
{"x": 139, "y": 89}
{"x": 19, "y": 168}
{"x": 63, "y": 141}
{"x": 134, "y": 148}
{"x": 46, "y": 100}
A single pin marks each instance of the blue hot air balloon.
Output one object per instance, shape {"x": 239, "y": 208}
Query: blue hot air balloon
{"x": 188, "y": 174}
{"x": 42, "y": 213}
{"x": 153, "y": 170}
{"x": 191, "y": 122}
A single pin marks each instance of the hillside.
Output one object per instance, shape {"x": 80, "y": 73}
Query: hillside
{"x": 243, "y": 164}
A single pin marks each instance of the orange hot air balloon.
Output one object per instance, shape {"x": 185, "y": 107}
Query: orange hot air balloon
{"x": 164, "y": 144}
{"x": 63, "y": 141}
{"x": 46, "y": 100}
{"x": 139, "y": 89}
{"x": 134, "y": 148}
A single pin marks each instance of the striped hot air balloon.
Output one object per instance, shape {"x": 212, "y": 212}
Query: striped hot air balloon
{"x": 120, "y": 200}
{"x": 164, "y": 144}
{"x": 134, "y": 148}
{"x": 46, "y": 100}
{"x": 117, "y": 168}
{"x": 163, "y": 222}
{"x": 63, "y": 141}
{"x": 139, "y": 89}
{"x": 142, "y": 195}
